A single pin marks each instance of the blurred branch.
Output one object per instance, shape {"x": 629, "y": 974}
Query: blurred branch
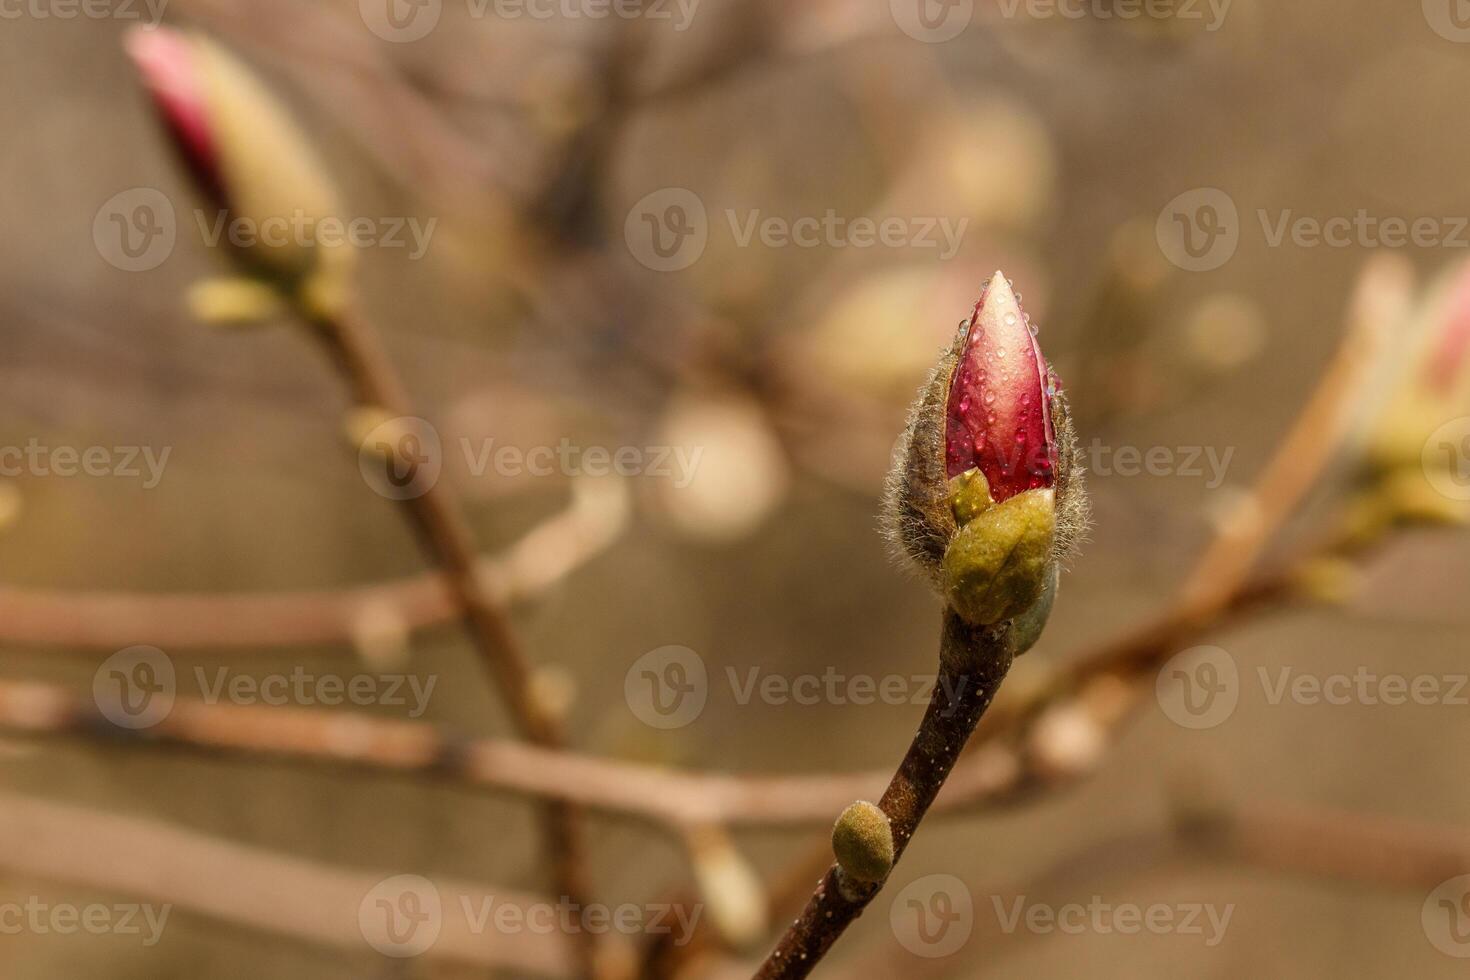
{"x": 1324, "y": 845}
{"x": 1407, "y": 855}
{"x": 241, "y": 622}
{"x": 446, "y": 535}
{"x": 248, "y": 886}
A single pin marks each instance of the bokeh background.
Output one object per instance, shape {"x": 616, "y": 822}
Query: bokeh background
{"x": 539, "y": 148}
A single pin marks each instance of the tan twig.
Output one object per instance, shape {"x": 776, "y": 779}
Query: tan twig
{"x": 248, "y": 886}
{"x": 1323, "y": 845}
{"x": 244, "y": 621}
{"x": 447, "y": 536}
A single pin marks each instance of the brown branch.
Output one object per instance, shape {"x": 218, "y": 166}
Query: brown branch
{"x": 248, "y": 886}
{"x": 1405, "y": 855}
{"x": 447, "y": 536}
{"x": 973, "y": 663}
{"x": 1326, "y": 845}
{"x": 244, "y": 621}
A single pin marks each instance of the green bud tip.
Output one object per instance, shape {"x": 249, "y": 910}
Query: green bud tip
{"x": 998, "y": 565}
{"x": 862, "y": 839}
{"x": 969, "y": 496}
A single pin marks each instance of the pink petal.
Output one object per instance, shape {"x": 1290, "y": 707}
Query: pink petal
{"x": 165, "y": 59}
{"x": 999, "y": 411}
{"x": 1448, "y": 359}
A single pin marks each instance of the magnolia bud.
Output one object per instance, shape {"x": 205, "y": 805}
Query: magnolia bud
{"x": 862, "y": 840}
{"x": 244, "y": 150}
{"x": 985, "y": 495}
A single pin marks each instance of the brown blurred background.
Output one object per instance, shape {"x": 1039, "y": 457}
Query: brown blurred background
{"x": 531, "y": 318}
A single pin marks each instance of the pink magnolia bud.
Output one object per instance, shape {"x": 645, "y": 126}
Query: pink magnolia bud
{"x": 985, "y": 495}
{"x": 998, "y": 416}
{"x": 1450, "y": 354}
{"x": 165, "y": 59}
{"x": 248, "y": 154}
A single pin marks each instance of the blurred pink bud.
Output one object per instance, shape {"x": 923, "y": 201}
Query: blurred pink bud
{"x": 166, "y": 60}
{"x": 998, "y": 417}
{"x": 248, "y": 154}
{"x": 1449, "y": 357}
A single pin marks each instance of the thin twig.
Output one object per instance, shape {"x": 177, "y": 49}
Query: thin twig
{"x": 972, "y": 663}
{"x": 446, "y": 534}
{"x": 242, "y": 622}
{"x": 248, "y": 886}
